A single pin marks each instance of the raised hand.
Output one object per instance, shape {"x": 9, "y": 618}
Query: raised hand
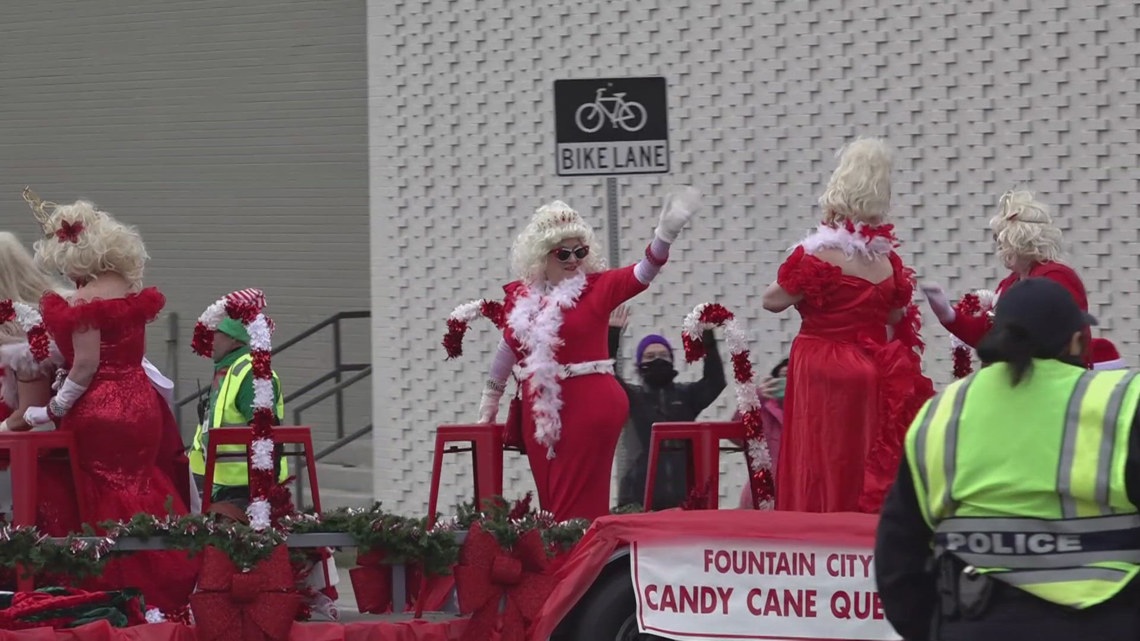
{"x": 939, "y": 303}
{"x": 680, "y": 206}
{"x": 620, "y": 317}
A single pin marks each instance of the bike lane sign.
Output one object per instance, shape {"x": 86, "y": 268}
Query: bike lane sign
{"x": 611, "y": 126}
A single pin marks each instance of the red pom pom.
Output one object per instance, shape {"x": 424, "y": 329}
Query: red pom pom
{"x": 453, "y": 339}
{"x": 262, "y": 368}
{"x": 203, "y": 341}
{"x": 963, "y": 362}
{"x": 970, "y": 305}
{"x": 242, "y": 311}
{"x": 694, "y": 348}
{"x": 715, "y": 314}
{"x": 494, "y": 311}
{"x": 742, "y": 367}
{"x": 7, "y": 311}
{"x": 39, "y": 343}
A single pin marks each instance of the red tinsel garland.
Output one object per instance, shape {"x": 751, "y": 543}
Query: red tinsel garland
{"x": 969, "y": 305}
{"x": 459, "y": 320}
{"x": 756, "y": 451}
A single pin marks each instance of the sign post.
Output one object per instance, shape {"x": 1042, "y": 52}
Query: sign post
{"x": 611, "y": 127}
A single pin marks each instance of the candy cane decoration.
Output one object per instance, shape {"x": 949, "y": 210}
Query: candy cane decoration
{"x": 460, "y": 319}
{"x": 703, "y": 318}
{"x": 32, "y": 324}
{"x": 246, "y": 306}
{"x": 976, "y": 303}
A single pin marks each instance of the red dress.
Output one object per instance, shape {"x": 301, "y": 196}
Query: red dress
{"x": 970, "y": 329}
{"x": 576, "y": 482}
{"x": 851, "y": 393}
{"x": 120, "y": 425}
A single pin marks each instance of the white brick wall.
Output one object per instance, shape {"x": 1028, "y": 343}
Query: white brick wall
{"x": 976, "y": 96}
{"x": 233, "y": 134}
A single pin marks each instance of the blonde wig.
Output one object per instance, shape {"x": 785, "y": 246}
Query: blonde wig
{"x": 860, "y": 187}
{"x": 20, "y": 280}
{"x": 99, "y": 245}
{"x": 1024, "y": 230}
{"x": 549, "y": 226}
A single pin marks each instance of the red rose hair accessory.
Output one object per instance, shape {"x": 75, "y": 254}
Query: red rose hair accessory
{"x": 69, "y": 232}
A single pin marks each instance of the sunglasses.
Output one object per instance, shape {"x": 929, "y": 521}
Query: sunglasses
{"x": 563, "y": 254}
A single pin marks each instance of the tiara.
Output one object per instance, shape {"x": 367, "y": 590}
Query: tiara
{"x": 562, "y": 215}
{"x": 41, "y": 209}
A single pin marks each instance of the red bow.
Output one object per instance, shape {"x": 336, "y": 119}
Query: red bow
{"x": 487, "y": 573}
{"x": 869, "y": 233}
{"x": 69, "y": 232}
{"x": 232, "y": 605}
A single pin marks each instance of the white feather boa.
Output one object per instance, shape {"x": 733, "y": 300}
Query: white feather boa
{"x": 536, "y": 320}
{"x": 827, "y": 237}
{"x": 17, "y": 362}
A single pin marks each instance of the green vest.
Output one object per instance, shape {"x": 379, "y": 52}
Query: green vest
{"x": 1026, "y": 483}
{"x": 225, "y": 413}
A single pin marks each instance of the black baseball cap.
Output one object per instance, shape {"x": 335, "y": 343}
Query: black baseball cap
{"x": 1045, "y": 311}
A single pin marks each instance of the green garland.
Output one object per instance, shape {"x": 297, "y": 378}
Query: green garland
{"x": 401, "y": 539}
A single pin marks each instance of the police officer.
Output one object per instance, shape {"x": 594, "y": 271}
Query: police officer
{"x": 1014, "y": 512}
{"x": 230, "y": 404}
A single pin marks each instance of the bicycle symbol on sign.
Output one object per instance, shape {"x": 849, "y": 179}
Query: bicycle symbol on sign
{"x": 628, "y": 115}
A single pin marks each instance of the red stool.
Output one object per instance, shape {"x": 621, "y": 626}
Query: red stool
{"x": 24, "y": 450}
{"x": 486, "y": 447}
{"x": 219, "y": 436}
{"x": 704, "y": 457}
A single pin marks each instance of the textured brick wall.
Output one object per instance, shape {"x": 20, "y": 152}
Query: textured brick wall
{"x": 977, "y": 97}
{"x": 232, "y": 134}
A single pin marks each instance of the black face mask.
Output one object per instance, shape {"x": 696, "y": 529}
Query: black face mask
{"x": 657, "y": 373}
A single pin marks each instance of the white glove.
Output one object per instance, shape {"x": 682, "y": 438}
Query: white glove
{"x": 939, "y": 304}
{"x": 68, "y": 393}
{"x": 489, "y": 405}
{"x": 680, "y": 205}
{"x": 36, "y": 416}
{"x": 4, "y": 426}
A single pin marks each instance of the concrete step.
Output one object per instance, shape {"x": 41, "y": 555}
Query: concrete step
{"x": 349, "y": 478}
{"x": 332, "y": 498}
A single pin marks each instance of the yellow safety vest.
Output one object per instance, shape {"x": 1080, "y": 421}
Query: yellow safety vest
{"x": 1026, "y": 483}
{"x": 225, "y": 413}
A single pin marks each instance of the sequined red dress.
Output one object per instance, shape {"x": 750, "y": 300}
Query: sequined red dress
{"x": 851, "y": 392}
{"x": 121, "y": 426}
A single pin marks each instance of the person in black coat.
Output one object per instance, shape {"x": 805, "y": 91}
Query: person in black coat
{"x": 657, "y": 400}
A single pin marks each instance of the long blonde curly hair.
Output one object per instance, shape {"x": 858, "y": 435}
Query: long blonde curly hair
{"x": 20, "y": 281}
{"x": 1024, "y": 230}
{"x": 550, "y": 225}
{"x": 102, "y": 245}
{"x": 859, "y": 189}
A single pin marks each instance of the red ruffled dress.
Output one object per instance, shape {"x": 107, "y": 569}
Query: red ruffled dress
{"x": 576, "y": 482}
{"x": 122, "y": 426}
{"x": 851, "y": 393}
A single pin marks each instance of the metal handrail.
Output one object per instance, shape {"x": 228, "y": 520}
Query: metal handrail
{"x": 332, "y": 391}
{"x": 277, "y": 349}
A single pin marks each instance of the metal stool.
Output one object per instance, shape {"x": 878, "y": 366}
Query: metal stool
{"x": 24, "y": 450}
{"x": 243, "y": 436}
{"x": 486, "y": 447}
{"x": 704, "y": 459}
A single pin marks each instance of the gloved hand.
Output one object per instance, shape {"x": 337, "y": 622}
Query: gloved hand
{"x": 489, "y": 405}
{"x": 4, "y": 426}
{"x": 680, "y": 205}
{"x": 939, "y": 303}
{"x": 68, "y": 393}
{"x": 37, "y": 416}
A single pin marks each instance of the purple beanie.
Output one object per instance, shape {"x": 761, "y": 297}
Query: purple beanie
{"x": 652, "y": 339}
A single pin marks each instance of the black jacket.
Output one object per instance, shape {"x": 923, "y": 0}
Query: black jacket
{"x": 677, "y": 402}
{"x": 908, "y": 591}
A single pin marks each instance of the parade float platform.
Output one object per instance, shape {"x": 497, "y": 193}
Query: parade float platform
{"x": 700, "y": 574}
